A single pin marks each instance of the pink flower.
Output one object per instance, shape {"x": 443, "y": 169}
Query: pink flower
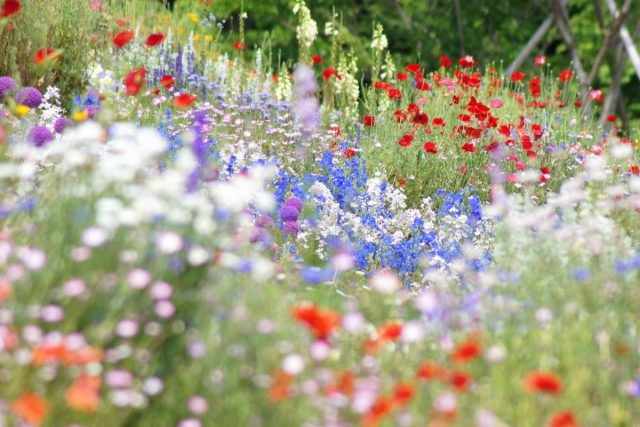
{"x": 97, "y": 5}
{"x": 496, "y": 103}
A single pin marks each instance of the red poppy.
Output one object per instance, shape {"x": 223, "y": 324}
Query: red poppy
{"x": 438, "y": 121}
{"x": 401, "y": 182}
{"x": 403, "y": 393}
{"x": 467, "y": 351}
{"x": 545, "y": 174}
{"x": 420, "y": 119}
{"x": 431, "y": 370}
{"x": 328, "y": 72}
{"x": 316, "y": 59}
{"x": 516, "y": 76}
{"x": 10, "y": 7}
{"x": 382, "y": 85}
{"x": 563, "y": 419}
{"x": 135, "y": 81}
{"x": 565, "y": 75}
{"x": 240, "y": 45}
{"x": 402, "y": 76}
{"x": 154, "y": 39}
{"x": 611, "y": 118}
{"x": 492, "y": 146}
{"x": 467, "y": 61}
{"x": 413, "y": 68}
{"x": 184, "y": 100}
{"x": 167, "y": 82}
{"x": 369, "y": 121}
{"x": 406, "y": 140}
{"x": 634, "y": 169}
{"x": 542, "y": 382}
{"x": 123, "y": 38}
{"x": 423, "y": 85}
{"x": 445, "y": 61}
{"x": 469, "y": 147}
{"x": 430, "y": 147}
{"x": 394, "y": 93}
{"x": 46, "y": 55}
{"x": 321, "y": 322}
{"x": 349, "y": 152}
{"x": 461, "y": 381}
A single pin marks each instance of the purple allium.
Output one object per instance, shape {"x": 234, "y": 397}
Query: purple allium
{"x": 40, "y": 135}
{"x": 29, "y": 96}
{"x": 295, "y": 202}
{"x": 6, "y": 84}
{"x": 290, "y": 227}
{"x": 61, "y": 124}
{"x": 289, "y": 213}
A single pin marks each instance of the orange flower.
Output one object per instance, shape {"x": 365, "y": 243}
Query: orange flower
{"x": 123, "y": 38}
{"x": 390, "y": 331}
{"x": 184, "y": 100}
{"x": 46, "y": 55}
{"x": 542, "y": 382}
{"x": 321, "y": 322}
{"x": 344, "y": 384}
{"x": 563, "y": 419}
{"x": 83, "y": 395}
{"x": 31, "y": 408}
{"x": 280, "y": 386}
{"x": 467, "y": 351}
{"x": 431, "y": 370}
{"x": 48, "y": 354}
{"x": 5, "y": 290}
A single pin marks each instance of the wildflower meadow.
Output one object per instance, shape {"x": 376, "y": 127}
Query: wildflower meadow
{"x": 197, "y": 230}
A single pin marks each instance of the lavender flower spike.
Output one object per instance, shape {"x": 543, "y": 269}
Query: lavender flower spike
{"x": 306, "y": 103}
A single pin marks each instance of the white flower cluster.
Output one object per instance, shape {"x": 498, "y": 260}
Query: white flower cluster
{"x": 50, "y": 107}
{"x": 348, "y": 85}
{"x": 307, "y": 29}
{"x": 379, "y": 41}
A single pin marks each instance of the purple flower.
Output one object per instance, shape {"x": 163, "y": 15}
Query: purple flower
{"x": 264, "y": 221}
{"x": 290, "y": 228}
{"x": 289, "y": 213}
{"x": 40, "y": 135}
{"x": 6, "y": 84}
{"x": 61, "y": 124}
{"x": 29, "y": 96}
{"x": 306, "y": 105}
{"x": 295, "y": 202}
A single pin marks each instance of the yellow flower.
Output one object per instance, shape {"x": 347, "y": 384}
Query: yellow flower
{"x": 80, "y": 115}
{"x": 196, "y": 37}
{"x": 193, "y": 17}
{"x": 208, "y": 38}
{"x": 180, "y": 30}
{"x": 21, "y": 110}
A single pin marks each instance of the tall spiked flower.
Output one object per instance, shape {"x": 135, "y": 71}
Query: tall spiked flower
{"x": 307, "y": 29}
{"x": 306, "y": 103}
